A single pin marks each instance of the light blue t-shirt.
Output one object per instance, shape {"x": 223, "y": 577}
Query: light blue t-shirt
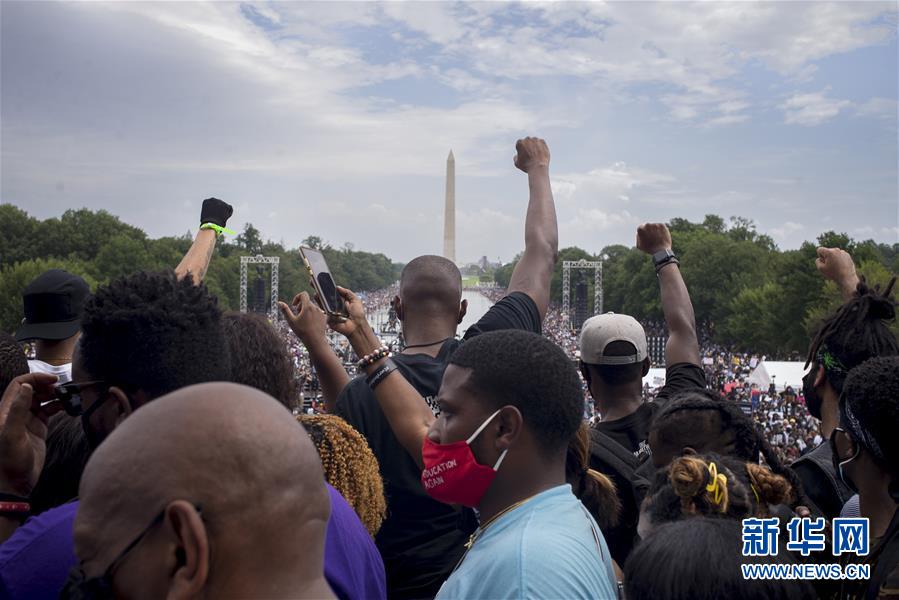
{"x": 549, "y": 547}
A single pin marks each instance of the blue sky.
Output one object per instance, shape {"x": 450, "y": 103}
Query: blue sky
{"x": 335, "y": 119}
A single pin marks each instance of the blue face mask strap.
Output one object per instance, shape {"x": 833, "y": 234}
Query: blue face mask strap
{"x": 478, "y": 432}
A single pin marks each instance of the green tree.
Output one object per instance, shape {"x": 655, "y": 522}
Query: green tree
{"x": 18, "y": 241}
{"x": 123, "y": 255}
{"x": 250, "y": 240}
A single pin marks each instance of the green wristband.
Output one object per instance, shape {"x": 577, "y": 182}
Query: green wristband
{"x": 218, "y": 229}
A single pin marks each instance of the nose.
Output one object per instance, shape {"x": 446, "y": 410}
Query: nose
{"x": 434, "y": 432}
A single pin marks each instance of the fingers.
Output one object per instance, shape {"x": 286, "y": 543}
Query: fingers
{"x": 15, "y": 411}
{"x": 346, "y": 294}
{"x": 286, "y": 311}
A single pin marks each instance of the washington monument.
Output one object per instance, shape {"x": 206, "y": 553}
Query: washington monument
{"x": 449, "y": 215}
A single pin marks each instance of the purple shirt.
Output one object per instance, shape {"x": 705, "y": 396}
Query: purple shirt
{"x": 35, "y": 561}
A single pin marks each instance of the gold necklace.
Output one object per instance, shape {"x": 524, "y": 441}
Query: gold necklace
{"x": 474, "y": 536}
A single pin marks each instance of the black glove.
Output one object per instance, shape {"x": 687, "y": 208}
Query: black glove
{"x": 215, "y": 211}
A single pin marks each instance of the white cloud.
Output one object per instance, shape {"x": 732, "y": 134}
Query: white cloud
{"x": 291, "y": 105}
{"x": 786, "y": 230}
{"x": 879, "y": 108}
{"x": 616, "y": 182}
{"x": 811, "y": 109}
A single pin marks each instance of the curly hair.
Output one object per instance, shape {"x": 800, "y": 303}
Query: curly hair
{"x": 151, "y": 331}
{"x": 258, "y": 356}
{"x": 12, "y": 360}
{"x": 350, "y": 466}
{"x": 528, "y": 371}
{"x": 713, "y": 485}
{"x": 854, "y": 333}
{"x": 871, "y": 394}
{"x": 594, "y": 489}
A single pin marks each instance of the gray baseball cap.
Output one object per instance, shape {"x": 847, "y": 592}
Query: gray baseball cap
{"x": 599, "y": 331}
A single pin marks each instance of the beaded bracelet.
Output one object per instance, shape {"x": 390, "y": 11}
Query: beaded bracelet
{"x": 19, "y": 508}
{"x": 370, "y": 359}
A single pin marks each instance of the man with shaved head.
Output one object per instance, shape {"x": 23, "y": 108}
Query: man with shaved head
{"x": 422, "y": 539}
{"x": 211, "y": 491}
{"x": 144, "y": 336}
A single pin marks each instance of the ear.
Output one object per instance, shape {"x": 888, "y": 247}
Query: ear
{"x": 463, "y": 308}
{"x": 819, "y": 376}
{"x": 646, "y": 365}
{"x": 121, "y": 403}
{"x": 511, "y": 424}
{"x": 190, "y": 550}
{"x": 585, "y": 372}
{"x": 398, "y": 305}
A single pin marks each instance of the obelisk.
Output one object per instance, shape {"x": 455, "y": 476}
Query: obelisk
{"x": 449, "y": 215}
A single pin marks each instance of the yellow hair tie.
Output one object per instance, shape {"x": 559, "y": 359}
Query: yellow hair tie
{"x": 758, "y": 500}
{"x": 717, "y": 485}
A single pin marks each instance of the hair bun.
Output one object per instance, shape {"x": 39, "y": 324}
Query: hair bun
{"x": 688, "y": 476}
{"x": 881, "y": 307}
{"x": 772, "y": 488}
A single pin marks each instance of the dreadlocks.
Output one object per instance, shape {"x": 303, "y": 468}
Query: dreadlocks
{"x": 699, "y": 420}
{"x": 854, "y": 333}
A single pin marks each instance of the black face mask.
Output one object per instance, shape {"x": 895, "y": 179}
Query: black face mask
{"x": 813, "y": 401}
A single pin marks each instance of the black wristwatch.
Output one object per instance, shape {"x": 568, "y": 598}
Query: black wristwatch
{"x": 663, "y": 258}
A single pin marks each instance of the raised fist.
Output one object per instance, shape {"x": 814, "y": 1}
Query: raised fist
{"x": 653, "y": 237}
{"x": 215, "y": 211}
{"x": 835, "y": 264}
{"x": 532, "y": 153}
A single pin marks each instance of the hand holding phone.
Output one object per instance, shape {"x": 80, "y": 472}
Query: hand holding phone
{"x": 326, "y": 290}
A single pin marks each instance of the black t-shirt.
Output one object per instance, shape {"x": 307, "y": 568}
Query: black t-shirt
{"x": 632, "y": 431}
{"x": 421, "y": 540}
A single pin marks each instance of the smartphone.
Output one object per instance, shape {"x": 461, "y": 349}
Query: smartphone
{"x": 330, "y": 301}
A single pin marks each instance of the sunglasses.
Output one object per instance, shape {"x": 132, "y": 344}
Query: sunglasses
{"x": 69, "y": 395}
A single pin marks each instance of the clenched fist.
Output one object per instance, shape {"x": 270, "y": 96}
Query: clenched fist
{"x": 532, "y": 153}
{"x": 835, "y": 264}
{"x": 653, "y": 237}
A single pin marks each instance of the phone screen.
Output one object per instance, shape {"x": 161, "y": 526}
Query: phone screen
{"x": 324, "y": 282}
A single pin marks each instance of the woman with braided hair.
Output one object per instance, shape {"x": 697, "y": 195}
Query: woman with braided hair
{"x": 698, "y": 422}
{"x": 350, "y": 466}
{"x": 712, "y": 486}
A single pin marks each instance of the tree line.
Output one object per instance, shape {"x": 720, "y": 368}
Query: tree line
{"x": 748, "y": 293}
{"x": 99, "y": 247}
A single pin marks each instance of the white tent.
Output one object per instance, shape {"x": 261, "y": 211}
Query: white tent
{"x": 782, "y": 373}
{"x": 655, "y": 378}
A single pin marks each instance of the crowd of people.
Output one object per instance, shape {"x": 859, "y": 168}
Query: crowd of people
{"x": 152, "y": 447}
